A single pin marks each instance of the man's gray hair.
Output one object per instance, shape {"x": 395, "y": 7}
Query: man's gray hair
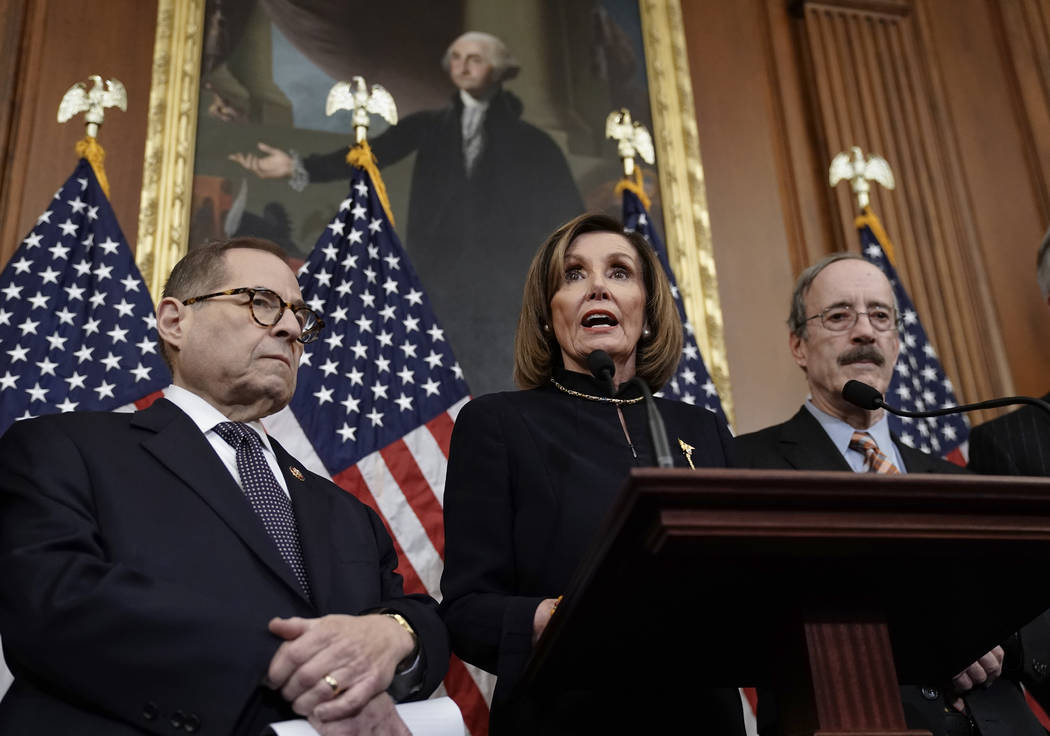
{"x": 503, "y": 62}
{"x": 1042, "y": 263}
{"x": 797, "y": 320}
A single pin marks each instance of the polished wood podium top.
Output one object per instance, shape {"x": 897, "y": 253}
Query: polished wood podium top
{"x": 710, "y": 574}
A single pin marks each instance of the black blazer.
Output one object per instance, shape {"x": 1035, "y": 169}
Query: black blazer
{"x": 531, "y": 475}
{"x": 138, "y": 582}
{"x": 1017, "y": 443}
{"x": 802, "y": 444}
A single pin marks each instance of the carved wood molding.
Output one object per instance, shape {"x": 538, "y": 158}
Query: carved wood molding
{"x": 877, "y": 86}
{"x": 1023, "y": 40}
{"x": 891, "y": 7}
{"x": 167, "y": 177}
{"x": 686, "y": 216}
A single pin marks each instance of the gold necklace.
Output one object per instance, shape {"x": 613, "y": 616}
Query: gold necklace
{"x": 589, "y": 397}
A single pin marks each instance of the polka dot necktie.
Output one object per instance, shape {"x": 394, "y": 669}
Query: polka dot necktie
{"x": 267, "y": 498}
{"x": 877, "y": 462}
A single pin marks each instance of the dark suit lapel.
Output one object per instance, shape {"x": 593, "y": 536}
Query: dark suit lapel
{"x": 178, "y": 444}
{"x": 1040, "y": 464}
{"x": 916, "y": 461}
{"x": 805, "y": 445}
{"x": 313, "y": 507}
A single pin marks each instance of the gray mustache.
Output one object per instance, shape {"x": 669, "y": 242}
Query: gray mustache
{"x": 866, "y": 353}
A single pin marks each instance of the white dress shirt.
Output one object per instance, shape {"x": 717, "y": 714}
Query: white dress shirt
{"x": 841, "y": 434}
{"x": 206, "y": 417}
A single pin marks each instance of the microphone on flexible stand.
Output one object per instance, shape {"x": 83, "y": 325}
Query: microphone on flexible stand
{"x": 868, "y": 397}
{"x": 602, "y": 367}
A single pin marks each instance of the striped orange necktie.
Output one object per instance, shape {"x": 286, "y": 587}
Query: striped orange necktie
{"x": 876, "y": 461}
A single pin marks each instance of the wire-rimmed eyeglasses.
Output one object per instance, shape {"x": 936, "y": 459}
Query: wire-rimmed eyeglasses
{"x": 267, "y": 308}
{"x": 842, "y": 317}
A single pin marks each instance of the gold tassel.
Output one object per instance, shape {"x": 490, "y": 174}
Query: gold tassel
{"x": 88, "y": 147}
{"x": 362, "y": 157}
{"x": 868, "y": 217}
{"x": 635, "y": 186}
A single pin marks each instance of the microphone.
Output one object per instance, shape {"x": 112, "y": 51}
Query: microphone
{"x": 868, "y": 397}
{"x": 861, "y": 394}
{"x": 657, "y": 432}
{"x": 602, "y": 367}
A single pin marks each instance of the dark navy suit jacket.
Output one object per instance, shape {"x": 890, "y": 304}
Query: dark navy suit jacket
{"x": 138, "y": 582}
{"x": 1017, "y": 443}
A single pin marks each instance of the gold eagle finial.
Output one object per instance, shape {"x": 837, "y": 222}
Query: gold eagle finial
{"x": 354, "y": 96}
{"x": 93, "y": 102}
{"x": 632, "y": 139}
{"x": 859, "y": 171}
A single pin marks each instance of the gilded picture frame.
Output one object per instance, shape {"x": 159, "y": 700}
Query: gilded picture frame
{"x": 168, "y": 172}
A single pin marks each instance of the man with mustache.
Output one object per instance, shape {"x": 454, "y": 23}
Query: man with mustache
{"x": 176, "y": 570}
{"x": 844, "y": 325}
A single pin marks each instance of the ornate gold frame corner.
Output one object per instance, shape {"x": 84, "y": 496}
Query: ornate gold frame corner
{"x": 681, "y": 173}
{"x": 167, "y": 181}
{"x": 167, "y": 178}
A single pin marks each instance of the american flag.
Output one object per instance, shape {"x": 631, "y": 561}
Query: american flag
{"x": 919, "y": 382}
{"x": 77, "y": 329}
{"x": 377, "y": 396}
{"x": 691, "y": 382}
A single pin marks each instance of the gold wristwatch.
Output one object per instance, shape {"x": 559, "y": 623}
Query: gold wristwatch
{"x": 405, "y": 663}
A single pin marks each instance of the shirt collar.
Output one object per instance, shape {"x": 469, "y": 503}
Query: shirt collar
{"x": 841, "y": 433}
{"x": 469, "y": 102}
{"x": 206, "y": 416}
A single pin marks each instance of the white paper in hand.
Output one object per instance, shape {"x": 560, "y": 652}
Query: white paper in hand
{"x": 435, "y": 717}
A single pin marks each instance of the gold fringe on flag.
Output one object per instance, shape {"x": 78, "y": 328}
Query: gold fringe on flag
{"x": 88, "y": 147}
{"x": 868, "y": 218}
{"x": 636, "y": 186}
{"x": 362, "y": 157}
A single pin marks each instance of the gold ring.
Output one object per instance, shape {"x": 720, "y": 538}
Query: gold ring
{"x": 331, "y": 682}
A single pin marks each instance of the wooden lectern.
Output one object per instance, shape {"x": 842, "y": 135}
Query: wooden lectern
{"x": 829, "y": 587}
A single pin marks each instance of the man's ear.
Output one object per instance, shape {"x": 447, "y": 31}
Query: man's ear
{"x": 172, "y": 316}
{"x": 798, "y": 349}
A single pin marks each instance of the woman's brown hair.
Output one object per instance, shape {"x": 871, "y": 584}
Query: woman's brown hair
{"x": 536, "y": 350}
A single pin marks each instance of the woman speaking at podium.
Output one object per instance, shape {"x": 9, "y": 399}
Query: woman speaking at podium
{"x": 532, "y": 473}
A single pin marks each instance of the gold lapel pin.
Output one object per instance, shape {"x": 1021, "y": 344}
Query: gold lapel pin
{"x": 298, "y": 474}
{"x": 687, "y": 450}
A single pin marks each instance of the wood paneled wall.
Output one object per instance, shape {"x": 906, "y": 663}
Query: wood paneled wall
{"x": 47, "y": 46}
{"x": 955, "y": 93}
{"x": 878, "y": 87}
{"x": 994, "y": 56}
